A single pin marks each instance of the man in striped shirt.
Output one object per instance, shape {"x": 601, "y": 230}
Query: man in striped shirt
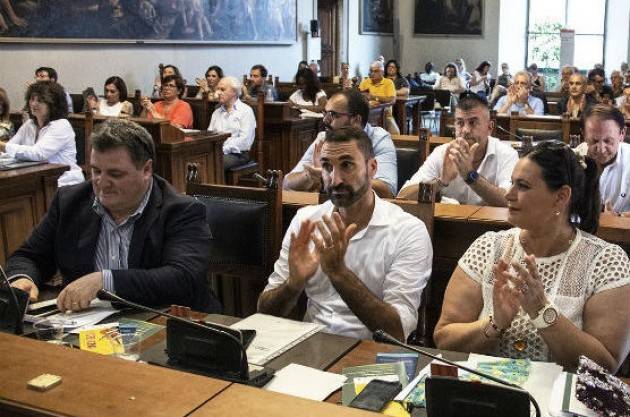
{"x": 127, "y": 231}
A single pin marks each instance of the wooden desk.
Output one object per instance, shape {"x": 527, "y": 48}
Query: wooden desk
{"x": 615, "y": 229}
{"x": 286, "y": 139}
{"x": 174, "y": 149}
{"x": 93, "y": 384}
{"x": 401, "y": 107}
{"x": 242, "y": 401}
{"x": 26, "y": 196}
{"x": 377, "y": 114}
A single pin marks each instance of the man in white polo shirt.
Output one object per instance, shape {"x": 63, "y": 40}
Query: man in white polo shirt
{"x": 604, "y": 132}
{"x": 474, "y": 168}
{"x": 361, "y": 261}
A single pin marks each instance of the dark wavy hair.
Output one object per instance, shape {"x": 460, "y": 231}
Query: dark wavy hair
{"x": 50, "y": 93}
{"x": 178, "y": 82}
{"x": 216, "y": 69}
{"x": 393, "y": 61}
{"x": 120, "y": 86}
{"x": 175, "y": 69}
{"x": 6, "y": 105}
{"x": 482, "y": 65}
{"x": 262, "y": 69}
{"x": 560, "y": 166}
{"x": 357, "y": 104}
{"x": 52, "y": 74}
{"x": 451, "y": 65}
{"x": 312, "y": 85}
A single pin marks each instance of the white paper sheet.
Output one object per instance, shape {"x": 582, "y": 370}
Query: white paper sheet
{"x": 75, "y": 321}
{"x": 302, "y": 381}
{"x": 274, "y": 335}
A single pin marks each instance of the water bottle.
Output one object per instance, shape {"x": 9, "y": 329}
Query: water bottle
{"x": 268, "y": 93}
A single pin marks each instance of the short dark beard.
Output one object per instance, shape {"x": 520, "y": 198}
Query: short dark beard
{"x": 352, "y": 195}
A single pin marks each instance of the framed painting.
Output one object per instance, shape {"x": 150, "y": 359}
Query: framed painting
{"x": 448, "y": 18}
{"x": 377, "y": 17}
{"x": 149, "y": 21}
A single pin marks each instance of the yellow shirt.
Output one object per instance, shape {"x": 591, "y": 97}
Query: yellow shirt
{"x": 385, "y": 88}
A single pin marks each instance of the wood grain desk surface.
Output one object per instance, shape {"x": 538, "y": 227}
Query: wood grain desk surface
{"x": 35, "y": 170}
{"x": 411, "y": 140}
{"x": 243, "y": 401}
{"x": 97, "y": 385}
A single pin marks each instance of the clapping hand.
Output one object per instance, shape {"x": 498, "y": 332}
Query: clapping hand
{"x": 303, "y": 261}
{"x": 332, "y": 243}
{"x": 461, "y": 155}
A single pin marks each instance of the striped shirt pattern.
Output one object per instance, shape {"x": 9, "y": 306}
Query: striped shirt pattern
{"x": 112, "y": 249}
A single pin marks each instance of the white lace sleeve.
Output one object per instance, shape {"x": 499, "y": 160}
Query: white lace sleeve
{"x": 479, "y": 257}
{"x": 611, "y": 269}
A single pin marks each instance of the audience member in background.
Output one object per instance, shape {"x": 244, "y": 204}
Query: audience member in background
{"x": 344, "y": 76}
{"x": 236, "y": 118}
{"x": 537, "y": 80}
{"x": 6, "y": 126}
{"x": 597, "y": 86}
{"x": 565, "y": 72}
{"x": 257, "y": 83}
{"x": 518, "y": 97}
{"x": 451, "y": 81}
{"x": 309, "y": 98}
{"x": 381, "y": 90}
{"x": 604, "y": 132}
{"x": 49, "y": 74}
{"x": 480, "y": 81}
{"x": 171, "y": 108}
{"x": 328, "y": 252}
{"x": 126, "y": 230}
{"x": 302, "y": 65}
{"x": 209, "y": 84}
{"x": 47, "y": 135}
{"x": 623, "y": 102}
{"x": 392, "y": 70}
{"x": 429, "y": 77}
{"x": 461, "y": 69}
{"x": 577, "y": 100}
{"x": 547, "y": 289}
{"x": 111, "y": 105}
{"x": 347, "y": 108}
{"x": 504, "y": 81}
{"x": 616, "y": 83}
{"x": 165, "y": 71}
{"x": 475, "y": 167}
{"x": 505, "y": 78}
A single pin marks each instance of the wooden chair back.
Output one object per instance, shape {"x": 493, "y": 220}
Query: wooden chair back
{"x": 541, "y": 127}
{"x": 246, "y": 234}
{"x": 424, "y": 209}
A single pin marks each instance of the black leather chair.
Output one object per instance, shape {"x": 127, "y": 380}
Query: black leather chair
{"x": 541, "y": 134}
{"x": 246, "y": 233}
{"x": 408, "y": 162}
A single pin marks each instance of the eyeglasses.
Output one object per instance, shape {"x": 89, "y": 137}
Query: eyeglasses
{"x": 334, "y": 114}
{"x": 164, "y": 86}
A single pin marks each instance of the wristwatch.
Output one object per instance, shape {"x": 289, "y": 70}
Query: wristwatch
{"x": 471, "y": 177}
{"x": 547, "y": 316}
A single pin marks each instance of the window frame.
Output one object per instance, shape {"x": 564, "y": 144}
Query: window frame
{"x": 566, "y": 13}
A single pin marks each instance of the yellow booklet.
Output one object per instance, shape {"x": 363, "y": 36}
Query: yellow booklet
{"x": 105, "y": 341}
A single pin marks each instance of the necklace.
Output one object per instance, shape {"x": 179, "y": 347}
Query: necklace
{"x": 525, "y": 248}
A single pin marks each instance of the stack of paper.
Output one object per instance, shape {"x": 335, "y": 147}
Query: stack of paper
{"x": 74, "y": 321}
{"x": 291, "y": 380}
{"x": 274, "y": 335}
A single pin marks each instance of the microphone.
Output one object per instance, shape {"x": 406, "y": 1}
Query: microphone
{"x": 382, "y": 336}
{"x": 207, "y": 348}
{"x": 13, "y": 304}
{"x": 504, "y": 130}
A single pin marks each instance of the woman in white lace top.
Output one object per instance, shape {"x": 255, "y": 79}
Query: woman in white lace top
{"x": 546, "y": 289}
